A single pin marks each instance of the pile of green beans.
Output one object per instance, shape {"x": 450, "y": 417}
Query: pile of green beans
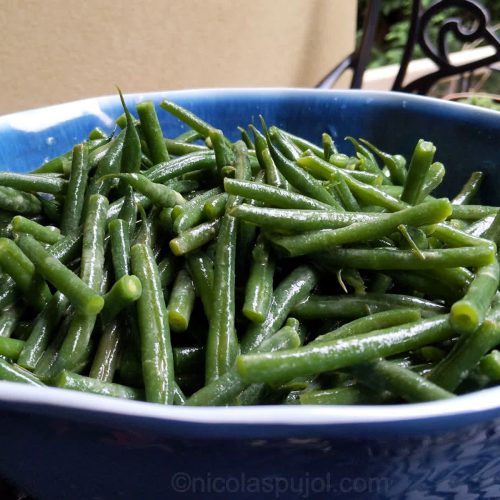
{"x": 194, "y": 270}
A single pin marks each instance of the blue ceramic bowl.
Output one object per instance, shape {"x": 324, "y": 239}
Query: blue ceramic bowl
{"x": 58, "y": 444}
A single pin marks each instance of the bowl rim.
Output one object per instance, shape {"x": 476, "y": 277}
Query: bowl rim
{"x": 486, "y": 401}
{"x": 391, "y": 96}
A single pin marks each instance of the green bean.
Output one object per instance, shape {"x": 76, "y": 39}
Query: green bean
{"x": 75, "y": 382}
{"x": 15, "y": 263}
{"x": 417, "y": 172}
{"x": 76, "y": 343}
{"x": 467, "y": 353}
{"x": 223, "y": 155}
{"x": 34, "y": 183}
{"x": 215, "y": 207}
{"x": 13, "y": 373}
{"x": 303, "y": 144}
{"x": 367, "y": 161}
{"x": 329, "y": 147}
{"x": 490, "y": 365}
{"x": 180, "y": 305}
{"x": 190, "y": 119}
{"x": 11, "y": 348}
{"x": 293, "y": 220}
{"x": 13, "y": 200}
{"x": 110, "y": 163}
{"x": 492, "y": 233}
{"x": 124, "y": 292}
{"x": 469, "y": 190}
{"x": 194, "y": 238}
{"x": 389, "y": 258}
{"x": 176, "y": 167}
{"x": 156, "y": 349}
{"x": 180, "y": 148}
{"x": 66, "y": 249}
{"x": 345, "y": 195}
{"x": 273, "y": 196}
{"x": 201, "y": 270}
{"x": 150, "y": 127}
{"x": 75, "y": 195}
{"x": 105, "y": 359}
{"x": 312, "y": 359}
{"x": 190, "y": 214}
{"x": 259, "y": 287}
{"x": 43, "y": 331}
{"x": 222, "y": 342}
{"x": 392, "y": 163}
{"x": 326, "y": 170}
{"x": 120, "y": 247}
{"x": 225, "y": 388}
{"x": 343, "y": 396}
{"x": 425, "y": 213}
{"x": 131, "y": 151}
{"x": 158, "y": 194}
{"x": 433, "y": 179}
{"x": 302, "y": 180}
{"x": 473, "y": 212}
{"x": 246, "y": 138}
{"x": 9, "y": 319}
{"x": 401, "y": 381}
{"x": 469, "y": 312}
{"x": 375, "y": 321}
{"x": 44, "y": 234}
{"x": 352, "y": 307}
{"x": 293, "y": 289}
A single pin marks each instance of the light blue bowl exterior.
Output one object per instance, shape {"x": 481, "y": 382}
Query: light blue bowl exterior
{"x": 58, "y": 444}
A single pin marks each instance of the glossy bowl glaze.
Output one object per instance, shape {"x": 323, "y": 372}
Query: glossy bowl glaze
{"x": 58, "y": 444}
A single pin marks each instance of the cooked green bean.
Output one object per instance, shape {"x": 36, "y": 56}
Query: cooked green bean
{"x": 34, "y": 183}
{"x": 75, "y": 194}
{"x": 44, "y": 234}
{"x": 293, "y": 289}
{"x": 273, "y": 196}
{"x": 75, "y": 382}
{"x": 352, "y": 307}
{"x": 150, "y": 127}
{"x": 469, "y": 190}
{"x": 432, "y": 211}
{"x": 181, "y": 302}
{"x": 286, "y": 365}
{"x": 222, "y": 342}
{"x": 156, "y": 349}
{"x": 259, "y": 287}
{"x": 194, "y": 238}
{"x": 401, "y": 381}
{"x": 77, "y": 340}
{"x": 467, "y": 353}
{"x": 14, "y": 373}
{"x": 43, "y": 331}
{"x": 469, "y": 312}
{"x": 19, "y": 202}
{"x": 417, "y": 172}
{"x": 124, "y": 292}
{"x": 389, "y": 258}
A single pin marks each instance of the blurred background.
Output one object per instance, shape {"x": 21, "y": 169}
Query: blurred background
{"x": 54, "y": 51}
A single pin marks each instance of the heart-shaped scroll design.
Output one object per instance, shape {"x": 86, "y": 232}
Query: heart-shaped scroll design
{"x": 437, "y": 51}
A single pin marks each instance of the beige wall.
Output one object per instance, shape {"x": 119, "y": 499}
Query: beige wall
{"x": 55, "y": 50}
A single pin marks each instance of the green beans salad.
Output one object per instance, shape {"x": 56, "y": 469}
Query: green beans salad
{"x": 194, "y": 270}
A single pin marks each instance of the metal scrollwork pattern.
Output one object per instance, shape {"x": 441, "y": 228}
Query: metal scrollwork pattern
{"x": 472, "y": 27}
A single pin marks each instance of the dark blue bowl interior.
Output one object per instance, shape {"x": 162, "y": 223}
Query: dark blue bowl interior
{"x": 57, "y": 452}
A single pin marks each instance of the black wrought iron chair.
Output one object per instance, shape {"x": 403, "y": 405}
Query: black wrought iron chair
{"x": 436, "y": 49}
